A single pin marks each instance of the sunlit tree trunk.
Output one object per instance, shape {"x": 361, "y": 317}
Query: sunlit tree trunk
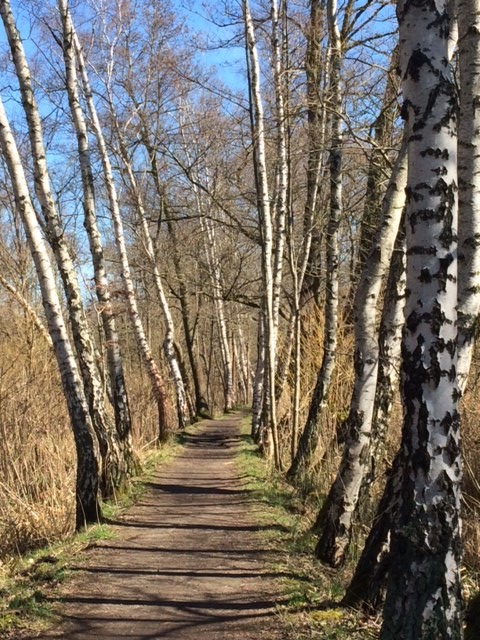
{"x": 216, "y": 280}
{"x": 342, "y": 501}
{"x": 282, "y": 158}
{"x": 309, "y": 439}
{"x": 423, "y": 597}
{"x": 169, "y": 341}
{"x": 378, "y": 164}
{"x": 266, "y": 225}
{"x": 81, "y": 335}
{"x": 367, "y": 587}
{"x": 155, "y": 375}
{"x": 259, "y": 380}
{"x": 121, "y": 407}
{"x": 86, "y": 493}
{"x": 469, "y": 184}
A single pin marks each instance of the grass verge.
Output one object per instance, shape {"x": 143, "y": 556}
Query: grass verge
{"x": 311, "y": 592}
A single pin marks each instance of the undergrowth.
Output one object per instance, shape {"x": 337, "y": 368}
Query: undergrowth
{"x": 311, "y": 592}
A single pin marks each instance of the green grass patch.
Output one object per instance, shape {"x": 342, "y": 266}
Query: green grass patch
{"x": 311, "y": 593}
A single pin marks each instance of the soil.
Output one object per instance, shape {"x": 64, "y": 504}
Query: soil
{"x": 187, "y": 562}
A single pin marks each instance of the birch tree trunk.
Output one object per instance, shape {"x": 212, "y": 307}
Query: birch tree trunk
{"x": 259, "y": 381}
{"x": 215, "y": 275}
{"x": 86, "y": 492}
{"x": 169, "y": 341}
{"x": 156, "y": 379}
{"x": 200, "y": 404}
{"x": 469, "y": 184}
{"x": 282, "y": 159}
{"x": 378, "y": 165}
{"x": 266, "y": 225}
{"x": 341, "y": 504}
{"x": 423, "y": 595}
{"x": 367, "y": 587}
{"x": 309, "y": 438}
{"x": 111, "y": 472}
{"x": 118, "y": 388}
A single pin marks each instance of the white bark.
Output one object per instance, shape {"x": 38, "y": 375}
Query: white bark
{"x": 282, "y": 168}
{"x": 309, "y": 439}
{"x": 424, "y": 595}
{"x": 169, "y": 341}
{"x": 215, "y": 275}
{"x": 87, "y": 508}
{"x": 158, "y": 385}
{"x": 82, "y": 339}
{"x": 244, "y": 364}
{"x": 259, "y": 380}
{"x": 266, "y": 223}
{"x": 114, "y": 359}
{"x": 343, "y": 499}
{"x": 469, "y": 184}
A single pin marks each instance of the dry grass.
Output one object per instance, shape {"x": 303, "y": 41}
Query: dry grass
{"x": 37, "y": 456}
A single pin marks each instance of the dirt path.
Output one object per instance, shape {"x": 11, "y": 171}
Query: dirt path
{"x": 186, "y": 561}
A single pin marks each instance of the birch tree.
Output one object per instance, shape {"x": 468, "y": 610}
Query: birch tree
{"x": 86, "y": 492}
{"x": 309, "y": 438}
{"x": 121, "y": 407}
{"x": 112, "y": 472}
{"x": 169, "y": 341}
{"x": 266, "y": 225}
{"x": 367, "y": 587}
{"x": 423, "y": 595}
{"x": 469, "y": 184}
{"x": 155, "y": 375}
{"x": 341, "y": 503}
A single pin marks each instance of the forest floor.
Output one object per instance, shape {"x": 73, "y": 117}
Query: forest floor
{"x": 186, "y": 562}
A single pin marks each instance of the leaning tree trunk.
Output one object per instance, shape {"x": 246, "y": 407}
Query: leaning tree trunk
{"x": 156, "y": 378}
{"x": 84, "y": 347}
{"x": 121, "y": 406}
{"x": 182, "y": 295}
{"x": 367, "y": 587}
{"x": 308, "y": 443}
{"x": 469, "y": 185}
{"x": 423, "y": 594}
{"x": 378, "y": 164}
{"x": 339, "y": 509}
{"x": 86, "y": 493}
{"x": 169, "y": 340}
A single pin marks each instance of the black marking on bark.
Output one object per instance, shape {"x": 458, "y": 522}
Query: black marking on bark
{"x": 440, "y": 154}
{"x": 418, "y": 59}
{"x": 419, "y": 250}
{"x": 425, "y": 275}
{"x": 421, "y": 456}
{"x": 442, "y": 274}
